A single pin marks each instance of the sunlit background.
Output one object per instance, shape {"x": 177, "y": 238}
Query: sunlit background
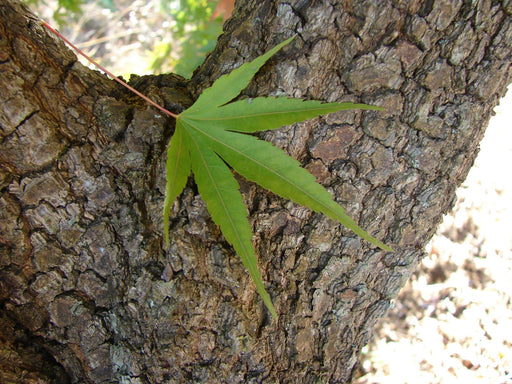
{"x": 139, "y": 36}
{"x": 453, "y": 321}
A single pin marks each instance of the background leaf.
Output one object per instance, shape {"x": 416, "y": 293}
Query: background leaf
{"x": 195, "y": 29}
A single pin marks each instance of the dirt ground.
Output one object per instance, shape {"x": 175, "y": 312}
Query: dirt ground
{"x": 452, "y": 323}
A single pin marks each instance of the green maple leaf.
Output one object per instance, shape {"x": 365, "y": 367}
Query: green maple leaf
{"x": 212, "y": 134}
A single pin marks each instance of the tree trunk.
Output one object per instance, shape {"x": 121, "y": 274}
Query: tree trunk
{"x": 88, "y": 291}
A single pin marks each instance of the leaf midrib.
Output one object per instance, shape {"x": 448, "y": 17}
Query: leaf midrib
{"x": 232, "y": 117}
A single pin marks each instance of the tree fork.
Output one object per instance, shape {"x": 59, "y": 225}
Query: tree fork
{"x": 84, "y": 275}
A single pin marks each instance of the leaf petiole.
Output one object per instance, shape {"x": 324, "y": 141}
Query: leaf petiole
{"x": 97, "y": 65}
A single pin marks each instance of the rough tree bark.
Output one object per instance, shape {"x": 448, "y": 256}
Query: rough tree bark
{"x": 89, "y": 293}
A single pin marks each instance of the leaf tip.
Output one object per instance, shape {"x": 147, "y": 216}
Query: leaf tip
{"x": 387, "y": 248}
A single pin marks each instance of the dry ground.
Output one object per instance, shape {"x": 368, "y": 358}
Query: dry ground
{"x": 453, "y": 321}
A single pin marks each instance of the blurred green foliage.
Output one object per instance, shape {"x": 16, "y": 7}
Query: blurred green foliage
{"x": 195, "y": 34}
{"x": 64, "y": 8}
{"x": 194, "y": 30}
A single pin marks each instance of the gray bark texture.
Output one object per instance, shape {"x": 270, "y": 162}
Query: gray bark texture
{"x": 88, "y": 291}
